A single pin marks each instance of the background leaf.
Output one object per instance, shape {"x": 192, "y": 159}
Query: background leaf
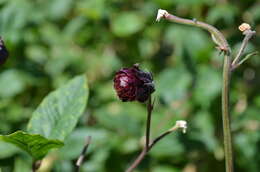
{"x": 34, "y": 144}
{"x": 127, "y": 24}
{"x": 65, "y": 38}
{"x": 59, "y": 112}
{"x": 7, "y": 149}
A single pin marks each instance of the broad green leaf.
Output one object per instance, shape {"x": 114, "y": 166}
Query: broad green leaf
{"x": 7, "y": 150}
{"x": 36, "y": 145}
{"x": 127, "y": 24}
{"x": 59, "y": 112}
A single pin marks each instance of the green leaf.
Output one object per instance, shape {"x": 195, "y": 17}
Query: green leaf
{"x": 7, "y": 150}
{"x": 226, "y": 13}
{"x": 204, "y": 130}
{"x": 127, "y": 24}
{"x": 208, "y": 85}
{"x": 21, "y": 165}
{"x": 36, "y": 145}
{"x": 93, "y": 9}
{"x": 173, "y": 84}
{"x": 12, "y": 82}
{"x": 59, "y": 112}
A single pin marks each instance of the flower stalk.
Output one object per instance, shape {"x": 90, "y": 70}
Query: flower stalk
{"x": 225, "y": 114}
{"x": 228, "y": 66}
{"x": 133, "y": 84}
{"x": 178, "y": 125}
{"x": 223, "y": 46}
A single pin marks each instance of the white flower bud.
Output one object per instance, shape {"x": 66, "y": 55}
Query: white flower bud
{"x": 244, "y": 26}
{"x": 160, "y": 14}
{"x": 182, "y": 124}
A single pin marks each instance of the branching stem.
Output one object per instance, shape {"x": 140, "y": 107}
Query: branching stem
{"x": 145, "y": 150}
{"x": 221, "y": 41}
{"x": 248, "y": 35}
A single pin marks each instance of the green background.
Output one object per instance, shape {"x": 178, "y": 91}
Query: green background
{"x": 51, "y": 41}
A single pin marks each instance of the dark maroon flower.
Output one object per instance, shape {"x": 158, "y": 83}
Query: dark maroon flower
{"x": 3, "y": 52}
{"x": 133, "y": 84}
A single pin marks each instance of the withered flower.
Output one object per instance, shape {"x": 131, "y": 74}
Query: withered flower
{"x": 3, "y": 52}
{"x": 133, "y": 84}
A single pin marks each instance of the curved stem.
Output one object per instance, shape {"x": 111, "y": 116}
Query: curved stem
{"x": 225, "y": 114}
{"x": 220, "y": 40}
{"x": 137, "y": 161}
{"x": 218, "y": 37}
{"x": 147, "y": 149}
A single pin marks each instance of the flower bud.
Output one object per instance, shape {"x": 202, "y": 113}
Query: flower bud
{"x": 244, "y": 26}
{"x": 133, "y": 84}
{"x": 3, "y": 52}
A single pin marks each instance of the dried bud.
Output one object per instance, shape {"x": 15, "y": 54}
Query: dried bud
{"x": 3, "y": 52}
{"x": 181, "y": 124}
{"x": 133, "y": 84}
{"x": 160, "y": 14}
{"x": 244, "y": 26}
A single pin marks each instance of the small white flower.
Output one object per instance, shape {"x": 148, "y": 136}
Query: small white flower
{"x": 182, "y": 124}
{"x": 244, "y": 26}
{"x": 160, "y": 14}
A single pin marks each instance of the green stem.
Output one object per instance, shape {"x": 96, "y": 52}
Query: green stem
{"x": 145, "y": 150}
{"x": 225, "y": 114}
{"x": 148, "y": 122}
{"x": 147, "y": 137}
{"x": 223, "y": 45}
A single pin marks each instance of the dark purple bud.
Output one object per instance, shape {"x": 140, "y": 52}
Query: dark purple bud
{"x": 3, "y": 52}
{"x": 133, "y": 84}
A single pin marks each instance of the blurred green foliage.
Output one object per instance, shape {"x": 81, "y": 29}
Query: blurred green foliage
{"x": 51, "y": 41}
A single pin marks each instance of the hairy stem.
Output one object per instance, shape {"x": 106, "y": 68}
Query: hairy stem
{"x": 218, "y": 37}
{"x": 220, "y": 40}
{"x": 225, "y": 114}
